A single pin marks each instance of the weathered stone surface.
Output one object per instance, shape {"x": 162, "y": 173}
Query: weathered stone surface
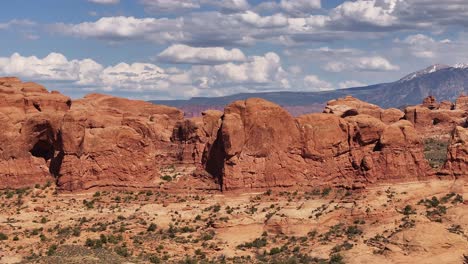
{"x": 462, "y": 103}
{"x": 431, "y": 117}
{"x": 266, "y": 147}
{"x": 29, "y": 138}
{"x": 108, "y": 142}
{"x": 349, "y": 106}
{"x": 457, "y": 155}
{"x": 116, "y": 142}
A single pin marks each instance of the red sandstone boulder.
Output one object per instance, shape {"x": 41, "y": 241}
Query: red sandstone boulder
{"x": 263, "y": 146}
{"x": 29, "y": 140}
{"x": 108, "y": 142}
{"x": 434, "y": 118}
{"x": 462, "y": 103}
{"x": 350, "y": 106}
{"x": 457, "y": 155}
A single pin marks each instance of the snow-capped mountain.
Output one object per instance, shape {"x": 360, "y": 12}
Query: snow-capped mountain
{"x": 461, "y": 66}
{"x": 428, "y": 70}
{"x": 442, "y": 81}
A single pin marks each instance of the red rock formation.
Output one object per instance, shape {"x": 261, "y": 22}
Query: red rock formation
{"x": 350, "y": 106}
{"x": 457, "y": 155}
{"x": 462, "y": 103}
{"x": 104, "y": 141}
{"x": 29, "y": 139}
{"x": 266, "y": 147}
{"x": 433, "y": 118}
{"x": 116, "y": 142}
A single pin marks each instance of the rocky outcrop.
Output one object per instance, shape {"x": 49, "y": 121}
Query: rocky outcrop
{"x": 431, "y": 116}
{"x": 102, "y": 141}
{"x": 457, "y": 155}
{"x": 349, "y": 106}
{"x": 97, "y": 141}
{"x": 29, "y": 139}
{"x": 116, "y": 142}
{"x": 263, "y": 146}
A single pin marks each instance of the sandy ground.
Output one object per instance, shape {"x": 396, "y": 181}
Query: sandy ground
{"x": 381, "y": 224}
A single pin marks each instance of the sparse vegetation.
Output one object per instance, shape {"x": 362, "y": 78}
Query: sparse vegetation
{"x": 435, "y": 151}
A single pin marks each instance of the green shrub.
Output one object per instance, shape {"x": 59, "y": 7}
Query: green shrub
{"x": 51, "y": 250}
{"x": 152, "y": 227}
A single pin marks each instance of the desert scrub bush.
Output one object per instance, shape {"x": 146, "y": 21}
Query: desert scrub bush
{"x": 336, "y": 259}
{"x": 353, "y": 231}
{"x": 408, "y": 210}
{"x": 257, "y": 243}
{"x": 88, "y": 204}
{"x": 152, "y": 227}
{"x": 3, "y": 236}
{"x": 166, "y": 178}
{"x": 344, "y": 246}
{"x": 51, "y": 250}
{"x": 326, "y": 191}
{"x": 435, "y": 151}
{"x": 122, "y": 251}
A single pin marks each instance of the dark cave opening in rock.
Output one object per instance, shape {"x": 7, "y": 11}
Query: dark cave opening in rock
{"x": 43, "y": 149}
{"x": 46, "y": 150}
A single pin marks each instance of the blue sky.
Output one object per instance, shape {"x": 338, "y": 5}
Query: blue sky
{"x": 167, "y": 49}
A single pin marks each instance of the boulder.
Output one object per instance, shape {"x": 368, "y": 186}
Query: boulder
{"x": 29, "y": 141}
{"x": 457, "y": 155}
{"x": 350, "y": 106}
{"x": 262, "y": 146}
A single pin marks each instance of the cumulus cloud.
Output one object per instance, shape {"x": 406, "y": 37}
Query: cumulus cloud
{"x": 375, "y": 63}
{"x": 376, "y": 13}
{"x": 313, "y": 82}
{"x": 252, "y": 18}
{"x": 423, "y": 46}
{"x": 169, "y": 6}
{"x": 231, "y": 5}
{"x": 124, "y": 28}
{"x": 299, "y": 7}
{"x": 256, "y": 73}
{"x": 105, "y": 2}
{"x": 54, "y": 67}
{"x": 193, "y": 55}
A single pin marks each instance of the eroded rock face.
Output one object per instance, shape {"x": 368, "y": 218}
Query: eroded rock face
{"x": 266, "y": 147}
{"x": 107, "y": 142}
{"x": 98, "y": 141}
{"x": 29, "y": 140}
{"x": 432, "y": 116}
{"x": 115, "y": 142}
{"x": 349, "y": 106}
{"x": 457, "y": 155}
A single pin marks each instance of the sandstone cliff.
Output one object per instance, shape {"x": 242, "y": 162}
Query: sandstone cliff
{"x": 107, "y": 142}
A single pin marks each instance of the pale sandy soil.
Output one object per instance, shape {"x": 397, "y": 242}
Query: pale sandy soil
{"x": 371, "y": 225}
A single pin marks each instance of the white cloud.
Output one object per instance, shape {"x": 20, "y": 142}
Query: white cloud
{"x": 232, "y": 5}
{"x": 377, "y": 13}
{"x": 54, "y": 66}
{"x": 252, "y": 18}
{"x": 258, "y": 70}
{"x": 192, "y": 55}
{"x": 350, "y": 84}
{"x": 105, "y": 2}
{"x": 313, "y": 82}
{"x": 168, "y": 6}
{"x": 374, "y": 63}
{"x": 299, "y": 6}
{"x": 17, "y": 22}
{"x": 423, "y": 46}
{"x": 115, "y": 28}
{"x": 256, "y": 73}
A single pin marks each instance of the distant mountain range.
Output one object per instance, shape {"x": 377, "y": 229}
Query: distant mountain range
{"x": 442, "y": 81}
